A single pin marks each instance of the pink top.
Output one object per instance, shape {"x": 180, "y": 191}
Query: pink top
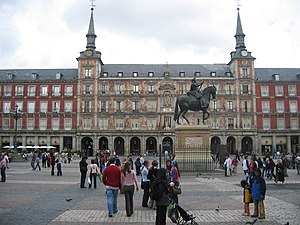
{"x": 129, "y": 179}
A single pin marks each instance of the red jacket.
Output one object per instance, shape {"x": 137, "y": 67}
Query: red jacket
{"x": 112, "y": 176}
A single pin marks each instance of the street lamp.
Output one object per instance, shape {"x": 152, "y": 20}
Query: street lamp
{"x": 17, "y": 114}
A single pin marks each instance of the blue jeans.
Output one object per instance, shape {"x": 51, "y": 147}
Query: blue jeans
{"x": 112, "y": 195}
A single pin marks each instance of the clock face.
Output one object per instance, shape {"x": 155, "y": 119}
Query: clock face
{"x": 244, "y": 53}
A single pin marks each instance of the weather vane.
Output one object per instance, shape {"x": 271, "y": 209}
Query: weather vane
{"x": 93, "y": 3}
{"x": 238, "y": 4}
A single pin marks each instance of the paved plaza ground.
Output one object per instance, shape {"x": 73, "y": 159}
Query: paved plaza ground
{"x": 37, "y": 198}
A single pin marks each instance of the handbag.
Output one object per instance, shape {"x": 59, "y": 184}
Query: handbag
{"x": 177, "y": 190}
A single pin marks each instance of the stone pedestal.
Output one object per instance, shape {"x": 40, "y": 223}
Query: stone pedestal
{"x": 193, "y": 151}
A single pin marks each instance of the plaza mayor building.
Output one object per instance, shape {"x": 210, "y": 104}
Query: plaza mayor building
{"x": 128, "y": 108}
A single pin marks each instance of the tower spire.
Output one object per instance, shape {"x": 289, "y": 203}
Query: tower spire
{"x": 239, "y": 36}
{"x": 91, "y": 36}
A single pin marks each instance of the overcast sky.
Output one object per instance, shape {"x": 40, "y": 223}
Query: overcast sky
{"x": 51, "y": 33}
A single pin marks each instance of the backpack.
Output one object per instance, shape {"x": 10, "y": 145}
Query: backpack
{"x": 138, "y": 162}
{"x": 155, "y": 193}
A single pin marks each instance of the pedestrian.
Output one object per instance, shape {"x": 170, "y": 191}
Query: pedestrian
{"x": 285, "y": 163}
{"x": 175, "y": 176}
{"x": 69, "y": 157}
{"x": 93, "y": 172}
{"x": 111, "y": 178}
{"x": 44, "y": 159}
{"x": 37, "y": 160}
{"x": 145, "y": 183}
{"x": 83, "y": 170}
{"x": 234, "y": 163}
{"x": 247, "y": 197}
{"x": 138, "y": 165}
{"x": 258, "y": 192}
{"x": 128, "y": 180}
{"x": 163, "y": 201}
{"x": 297, "y": 161}
{"x": 252, "y": 167}
{"x": 3, "y": 165}
{"x": 227, "y": 165}
{"x": 52, "y": 162}
{"x": 279, "y": 168}
{"x": 59, "y": 161}
{"x": 151, "y": 176}
{"x": 245, "y": 165}
{"x": 32, "y": 162}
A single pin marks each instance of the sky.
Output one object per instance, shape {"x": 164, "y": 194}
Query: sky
{"x": 50, "y": 34}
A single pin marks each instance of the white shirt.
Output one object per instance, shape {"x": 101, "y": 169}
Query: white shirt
{"x": 245, "y": 167}
{"x": 227, "y": 162}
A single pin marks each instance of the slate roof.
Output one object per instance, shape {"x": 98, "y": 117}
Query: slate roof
{"x": 285, "y": 74}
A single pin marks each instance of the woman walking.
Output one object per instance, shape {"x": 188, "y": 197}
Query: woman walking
{"x": 93, "y": 173}
{"x": 128, "y": 180}
{"x": 145, "y": 183}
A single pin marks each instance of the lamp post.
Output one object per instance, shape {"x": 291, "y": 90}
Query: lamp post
{"x": 17, "y": 114}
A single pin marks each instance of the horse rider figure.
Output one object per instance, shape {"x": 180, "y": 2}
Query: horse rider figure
{"x": 195, "y": 89}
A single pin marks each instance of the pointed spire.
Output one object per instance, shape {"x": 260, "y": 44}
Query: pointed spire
{"x": 91, "y": 36}
{"x": 239, "y": 36}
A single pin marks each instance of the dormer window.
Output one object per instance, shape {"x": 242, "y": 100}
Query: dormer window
{"x": 197, "y": 74}
{"x": 11, "y": 76}
{"x": 34, "y": 76}
{"x": 213, "y": 74}
{"x": 228, "y": 74}
{"x": 120, "y": 74}
{"x": 182, "y": 74}
{"x": 105, "y": 74}
{"x": 135, "y": 74}
{"x": 276, "y": 77}
{"x": 150, "y": 74}
{"x": 166, "y": 74}
{"x": 58, "y": 76}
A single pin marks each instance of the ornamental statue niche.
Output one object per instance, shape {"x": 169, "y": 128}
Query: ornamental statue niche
{"x": 195, "y": 100}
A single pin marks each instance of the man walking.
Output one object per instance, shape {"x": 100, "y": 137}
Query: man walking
{"x": 111, "y": 178}
{"x": 3, "y": 165}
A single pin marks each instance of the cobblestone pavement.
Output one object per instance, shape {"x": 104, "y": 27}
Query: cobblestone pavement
{"x": 37, "y": 198}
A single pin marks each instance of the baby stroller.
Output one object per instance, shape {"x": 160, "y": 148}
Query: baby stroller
{"x": 178, "y": 215}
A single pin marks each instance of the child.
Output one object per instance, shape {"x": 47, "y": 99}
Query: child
{"x": 258, "y": 192}
{"x": 247, "y": 197}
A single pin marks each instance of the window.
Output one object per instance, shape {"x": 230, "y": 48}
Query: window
{"x": 135, "y": 123}
{"x": 118, "y": 106}
{"x": 292, "y": 90}
{"x": 245, "y": 89}
{"x": 279, "y": 90}
{"x": 151, "y": 106}
{"x": 120, "y": 74}
{"x": 87, "y": 73}
{"x": 280, "y": 123}
{"x": 150, "y": 74}
{"x": 87, "y": 89}
{"x": 213, "y": 74}
{"x": 265, "y": 106}
{"x": 151, "y": 88}
{"x": 230, "y": 105}
{"x": 182, "y": 74}
{"x": 214, "y": 105}
{"x": 266, "y": 123}
{"x": 245, "y": 72}
{"x": 5, "y": 123}
{"x": 264, "y": 91}
{"x": 87, "y": 106}
{"x": 44, "y": 90}
{"x": 134, "y": 105}
{"x": 230, "y": 123}
{"x": 280, "y": 106}
{"x": 69, "y": 90}
{"x": 87, "y": 123}
{"x": 166, "y": 74}
{"x": 55, "y": 123}
{"x": 55, "y": 107}
{"x": 104, "y": 88}
{"x": 119, "y": 124}
{"x": 182, "y": 88}
{"x": 6, "y": 107}
{"x": 197, "y": 74}
{"x": 276, "y": 77}
{"x": 120, "y": 88}
{"x": 19, "y": 91}
{"x": 30, "y": 123}
{"x": 229, "y": 89}
{"x": 135, "y": 74}
{"x": 135, "y": 88}
{"x": 44, "y": 107}
{"x": 105, "y": 74}
{"x": 31, "y": 107}
{"x": 293, "y": 106}
{"x": 68, "y": 106}
{"x": 31, "y": 91}
{"x": 104, "y": 106}
{"x": 43, "y": 124}
{"x": 56, "y": 90}
{"x": 7, "y": 91}
{"x": 294, "y": 123}
{"x": 0, "y": 91}
{"x": 215, "y": 124}
{"x": 67, "y": 124}
{"x": 246, "y": 106}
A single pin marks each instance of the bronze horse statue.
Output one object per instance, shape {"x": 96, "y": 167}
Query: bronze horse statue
{"x": 188, "y": 102}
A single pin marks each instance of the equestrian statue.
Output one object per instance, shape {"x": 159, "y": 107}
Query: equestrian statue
{"x": 195, "y": 100}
